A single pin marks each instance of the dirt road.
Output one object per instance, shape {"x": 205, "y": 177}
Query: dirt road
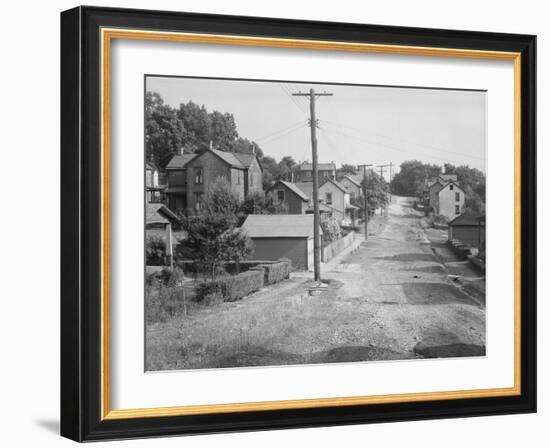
{"x": 421, "y": 298}
{"x": 399, "y": 295}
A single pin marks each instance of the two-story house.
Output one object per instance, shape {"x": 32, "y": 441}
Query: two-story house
{"x": 353, "y": 184}
{"x": 335, "y": 196}
{"x": 450, "y": 201}
{"x": 304, "y": 172}
{"x": 191, "y": 175}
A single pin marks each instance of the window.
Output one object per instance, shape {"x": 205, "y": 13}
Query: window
{"x": 457, "y": 197}
{"x": 198, "y": 175}
{"x": 328, "y": 198}
{"x": 457, "y": 209}
{"x": 280, "y": 195}
{"x": 451, "y": 187}
{"x": 198, "y": 200}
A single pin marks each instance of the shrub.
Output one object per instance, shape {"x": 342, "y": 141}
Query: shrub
{"x": 155, "y": 250}
{"x": 233, "y": 287}
{"x": 275, "y": 272}
{"x": 170, "y": 277}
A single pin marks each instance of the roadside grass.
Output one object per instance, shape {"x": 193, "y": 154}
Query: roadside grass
{"x": 276, "y": 326}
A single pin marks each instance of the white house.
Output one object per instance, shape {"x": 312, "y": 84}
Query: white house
{"x": 449, "y": 201}
{"x": 337, "y": 197}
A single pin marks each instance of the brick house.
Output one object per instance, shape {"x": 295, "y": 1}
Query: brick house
{"x": 191, "y": 175}
{"x": 287, "y": 193}
{"x": 304, "y": 172}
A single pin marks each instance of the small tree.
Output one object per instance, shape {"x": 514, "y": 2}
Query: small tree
{"x": 331, "y": 229}
{"x": 213, "y": 238}
{"x": 155, "y": 250}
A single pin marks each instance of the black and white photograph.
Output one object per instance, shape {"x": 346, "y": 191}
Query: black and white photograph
{"x": 301, "y": 223}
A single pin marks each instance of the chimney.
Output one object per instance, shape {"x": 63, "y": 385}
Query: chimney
{"x": 211, "y": 145}
{"x": 181, "y": 151}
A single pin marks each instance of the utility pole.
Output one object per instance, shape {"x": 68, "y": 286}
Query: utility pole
{"x": 391, "y": 177}
{"x": 313, "y": 122}
{"x": 365, "y": 205}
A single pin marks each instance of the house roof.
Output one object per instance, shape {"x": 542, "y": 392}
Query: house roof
{"x": 179, "y": 161}
{"x": 306, "y": 188}
{"x": 159, "y": 214}
{"x": 247, "y": 159}
{"x": 353, "y": 179}
{"x": 150, "y": 166}
{"x": 292, "y": 187}
{"x": 279, "y": 226}
{"x": 320, "y": 166}
{"x": 452, "y": 183}
{"x": 228, "y": 157}
{"x": 337, "y": 184}
{"x": 467, "y": 219}
{"x": 448, "y": 177}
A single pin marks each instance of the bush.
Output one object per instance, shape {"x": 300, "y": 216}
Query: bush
{"x": 155, "y": 250}
{"x": 232, "y": 287}
{"x": 170, "y": 277}
{"x": 275, "y": 272}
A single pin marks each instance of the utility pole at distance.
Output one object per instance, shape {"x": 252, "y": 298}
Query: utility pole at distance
{"x": 316, "y": 219}
{"x": 365, "y": 205}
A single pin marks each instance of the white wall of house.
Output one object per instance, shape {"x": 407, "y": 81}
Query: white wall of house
{"x": 335, "y": 198}
{"x": 450, "y": 201}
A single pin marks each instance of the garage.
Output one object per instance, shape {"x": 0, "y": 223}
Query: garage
{"x": 282, "y": 236}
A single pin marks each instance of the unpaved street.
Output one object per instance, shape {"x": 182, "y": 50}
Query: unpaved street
{"x": 419, "y": 296}
{"x": 402, "y": 294}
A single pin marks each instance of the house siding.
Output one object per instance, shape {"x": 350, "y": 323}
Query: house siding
{"x": 339, "y": 200}
{"x": 295, "y": 205}
{"x": 307, "y": 175}
{"x": 253, "y": 180}
{"x": 213, "y": 168}
{"x": 351, "y": 186}
{"x": 447, "y": 203}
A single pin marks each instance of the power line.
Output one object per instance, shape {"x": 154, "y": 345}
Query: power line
{"x": 410, "y": 142}
{"x": 281, "y": 132}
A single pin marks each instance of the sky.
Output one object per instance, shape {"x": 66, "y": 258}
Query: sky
{"x": 357, "y": 125}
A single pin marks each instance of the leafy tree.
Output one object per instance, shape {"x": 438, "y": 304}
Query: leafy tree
{"x": 164, "y": 133}
{"x": 331, "y": 229}
{"x": 346, "y": 169}
{"x": 272, "y": 171}
{"x": 213, "y": 236}
{"x": 377, "y": 192}
{"x": 412, "y": 178}
{"x": 244, "y": 146}
{"x": 472, "y": 181}
{"x": 286, "y": 165}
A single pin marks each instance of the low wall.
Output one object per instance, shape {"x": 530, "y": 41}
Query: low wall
{"x": 334, "y": 248}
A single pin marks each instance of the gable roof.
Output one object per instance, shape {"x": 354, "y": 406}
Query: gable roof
{"x": 292, "y": 187}
{"x": 467, "y": 219}
{"x": 352, "y": 179}
{"x": 276, "y": 226}
{"x": 150, "y": 166}
{"x": 227, "y": 157}
{"x": 451, "y": 183}
{"x": 306, "y": 166}
{"x": 337, "y": 184}
{"x": 247, "y": 159}
{"x": 179, "y": 161}
{"x": 159, "y": 214}
{"x": 306, "y": 188}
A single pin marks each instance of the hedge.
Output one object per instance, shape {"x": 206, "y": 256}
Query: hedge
{"x": 276, "y": 272}
{"x": 233, "y": 287}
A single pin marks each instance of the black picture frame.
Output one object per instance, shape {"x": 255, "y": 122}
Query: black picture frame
{"x": 81, "y": 224}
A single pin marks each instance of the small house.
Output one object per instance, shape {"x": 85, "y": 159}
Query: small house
{"x": 288, "y": 194}
{"x": 282, "y": 236}
{"x": 353, "y": 184}
{"x": 468, "y": 229}
{"x": 158, "y": 221}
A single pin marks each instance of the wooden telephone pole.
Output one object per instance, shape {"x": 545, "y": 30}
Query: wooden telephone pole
{"x": 365, "y": 204}
{"x": 316, "y": 219}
